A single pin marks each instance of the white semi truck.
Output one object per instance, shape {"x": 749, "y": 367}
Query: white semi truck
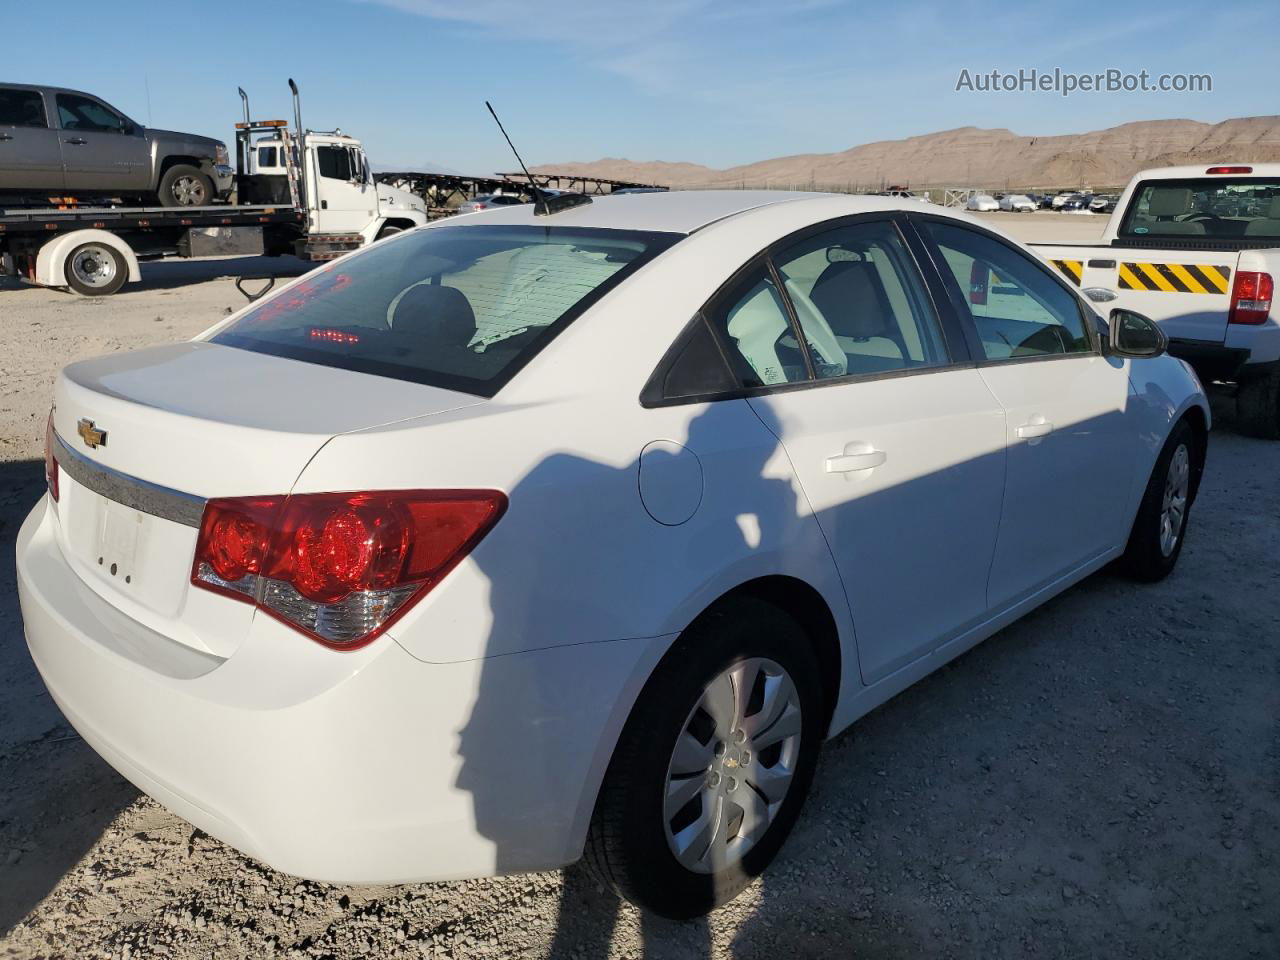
{"x": 1197, "y": 249}
{"x": 305, "y": 192}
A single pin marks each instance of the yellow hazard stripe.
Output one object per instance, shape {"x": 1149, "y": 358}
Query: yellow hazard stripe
{"x": 1073, "y": 269}
{"x": 1175, "y": 277}
{"x": 1188, "y": 281}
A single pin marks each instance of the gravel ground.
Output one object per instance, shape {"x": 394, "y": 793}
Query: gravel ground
{"x": 1100, "y": 779}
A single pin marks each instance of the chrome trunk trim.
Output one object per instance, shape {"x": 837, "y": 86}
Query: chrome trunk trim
{"x": 150, "y": 498}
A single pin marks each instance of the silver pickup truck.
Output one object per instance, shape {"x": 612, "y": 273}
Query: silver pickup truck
{"x": 56, "y": 142}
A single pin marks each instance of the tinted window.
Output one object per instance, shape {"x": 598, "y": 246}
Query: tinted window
{"x": 81, "y": 113}
{"x": 1214, "y": 207}
{"x": 457, "y": 307}
{"x": 762, "y": 343}
{"x": 861, "y": 302}
{"x": 335, "y": 163}
{"x": 1018, "y": 308}
{"x": 267, "y": 157}
{"x": 21, "y": 108}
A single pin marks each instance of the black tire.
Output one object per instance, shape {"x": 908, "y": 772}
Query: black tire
{"x": 95, "y": 270}
{"x": 1258, "y": 407}
{"x": 1145, "y": 559}
{"x": 183, "y": 185}
{"x": 388, "y": 230}
{"x": 627, "y": 847}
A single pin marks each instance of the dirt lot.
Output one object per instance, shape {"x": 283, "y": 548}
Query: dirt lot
{"x": 1101, "y": 779}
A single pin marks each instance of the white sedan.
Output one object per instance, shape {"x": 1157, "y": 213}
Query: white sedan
{"x": 982, "y": 202}
{"x": 527, "y": 533}
{"x": 1017, "y": 203}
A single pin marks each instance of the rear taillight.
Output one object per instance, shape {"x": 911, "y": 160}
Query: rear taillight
{"x": 50, "y": 461}
{"x": 340, "y": 567}
{"x": 1228, "y": 170}
{"x": 1251, "y": 297}
{"x": 979, "y": 277}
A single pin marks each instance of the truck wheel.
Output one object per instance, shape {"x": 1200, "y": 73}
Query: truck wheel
{"x": 388, "y": 230}
{"x": 95, "y": 270}
{"x": 1160, "y": 528}
{"x": 713, "y": 765}
{"x": 185, "y": 186}
{"x": 1258, "y": 407}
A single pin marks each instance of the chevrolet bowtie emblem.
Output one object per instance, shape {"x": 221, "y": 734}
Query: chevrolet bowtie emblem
{"x": 91, "y": 435}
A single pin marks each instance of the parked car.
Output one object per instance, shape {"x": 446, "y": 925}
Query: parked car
{"x": 68, "y": 143}
{"x": 1061, "y": 198}
{"x": 1104, "y": 203}
{"x": 1078, "y": 201}
{"x": 982, "y": 201}
{"x": 491, "y": 201}
{"x": 598, "y": 574}
{"x": 1017, "y": 202}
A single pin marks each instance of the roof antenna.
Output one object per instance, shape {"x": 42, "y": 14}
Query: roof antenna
{"x": 543, "y": 206}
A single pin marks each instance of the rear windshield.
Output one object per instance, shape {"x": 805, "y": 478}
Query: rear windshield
{"x": 1215, "y": 207}
{"x": 457, "y": 307}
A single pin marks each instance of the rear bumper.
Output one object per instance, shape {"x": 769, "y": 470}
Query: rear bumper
{"x": 1211, "y": 361}
{"x": 362, "y": 767}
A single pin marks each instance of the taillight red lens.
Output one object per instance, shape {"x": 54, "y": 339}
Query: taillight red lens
{"x": 979, "y": 278}
{"x": 1251, "y": 297}
{"x": 1218, "y": 170}
{"x": 340, "y": 567}
{"x": 50, "y": 462}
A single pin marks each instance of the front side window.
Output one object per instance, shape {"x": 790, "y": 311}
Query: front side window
{"x": 1217, "y": 207}
{"x": 457, "y": 307}
{"x": 1018, "y": 308}
{"x": 21, "y": 108}
{"x": 81, "y": 113}
{"x": 861, "y": 302}
{"x": 267, "y": 157}
{"x": 335, "y": 163}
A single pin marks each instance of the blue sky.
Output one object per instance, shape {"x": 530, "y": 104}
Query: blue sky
{"x": 699, "y": 80}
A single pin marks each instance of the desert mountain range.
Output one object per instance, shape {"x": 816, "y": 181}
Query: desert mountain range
{"x": 970, "y": 156}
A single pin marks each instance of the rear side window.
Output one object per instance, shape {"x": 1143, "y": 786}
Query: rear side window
{"x": 861, "y": 302}
{"x": 1018, "y": 308}
{"x": 267, "y": 157}
{"x": 457, "y": 307}
{"x": 21, "y": 108}
{"x": 1215, "y": 207}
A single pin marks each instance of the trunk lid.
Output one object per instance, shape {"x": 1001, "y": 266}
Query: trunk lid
{"x": 184, "y": 423}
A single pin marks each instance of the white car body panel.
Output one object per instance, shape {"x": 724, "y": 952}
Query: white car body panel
{"x": 514, "y": 676}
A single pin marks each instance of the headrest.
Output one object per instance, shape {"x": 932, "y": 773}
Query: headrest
{"x": 436, "y": 312}
{"x": 1169, "y": 202}
{"x": 1273, "y": 209}
{"x": 852, "y": 299}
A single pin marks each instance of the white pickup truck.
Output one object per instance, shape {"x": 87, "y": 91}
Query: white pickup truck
{"x": 1197, "y": 249}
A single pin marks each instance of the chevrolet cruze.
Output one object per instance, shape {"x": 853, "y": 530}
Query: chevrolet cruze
{"x": 576, "y": 527}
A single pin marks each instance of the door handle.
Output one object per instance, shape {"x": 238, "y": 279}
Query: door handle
{"x": 1038, "y": 427}
{"x": 77, "y": 141}
{"x": 850, "y": 462}
{"x": 5, "y": 136}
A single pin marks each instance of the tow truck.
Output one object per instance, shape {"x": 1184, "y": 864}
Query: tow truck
{"x": 1197, "y": 249}
{"x": 306, "y": 192}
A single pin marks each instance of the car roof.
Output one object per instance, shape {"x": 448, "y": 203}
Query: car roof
{"x": 676, "y": 211}
{"x": 1197, "y": 172}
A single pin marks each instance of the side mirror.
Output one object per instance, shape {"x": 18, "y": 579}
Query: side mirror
{"x": 1133, "y": 335}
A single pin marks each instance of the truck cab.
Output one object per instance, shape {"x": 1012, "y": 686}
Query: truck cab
{"x": 1197, "y": 249}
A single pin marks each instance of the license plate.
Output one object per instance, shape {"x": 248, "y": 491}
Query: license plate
{"x": 118, "y": 541}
